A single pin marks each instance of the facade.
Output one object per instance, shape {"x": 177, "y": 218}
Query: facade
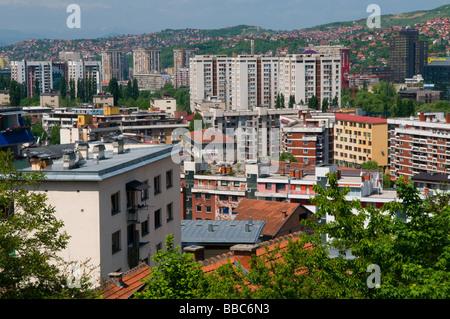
{"x": 419, "y": 145}
{"x": 309, "y": 136}
{"x": 407, "y": 55}
{"x": 123, "y": 203}
{"x": 112, "y": 65}
{"x": 49, "y": 99}
{"x": 437, "y": 75}
{"x": 247, "y": 81}
{"x": 28, "y": 72}
{"x": 152, "y": 82}
{"x": 358, "y": 139}
{"x": 4, "y": 97}
{"x": 146, "y": 61}
{"x": 181, "y": 65}
{"x": 338, "y": 51}
{"x": 165, "y": 104}
{"x": 310, "y": 74}
{"x": 258, "y": 131}
{"x": 421, "y": 95}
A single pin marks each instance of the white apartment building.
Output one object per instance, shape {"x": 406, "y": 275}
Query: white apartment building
{"x": 111, "y": 65}
{"x": 308, "y": 75}
{"x": 27, "y": 72}
{"x": 118, "y": 203}
{"x": 248, "y": 81}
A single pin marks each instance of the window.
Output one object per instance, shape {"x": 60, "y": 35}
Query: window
{"x": 157, "y": 218}
{"x": 268, "y": 185}
{"x": 115, "y": 203}
{"x": 157, "y": 184}
{"x": 115, "y": 241}
{"x": 144, "y": 228}
{"x": 158, "y": 247}
{"x": 208, "y": 209}
{"x": 198, "y": 208}
{"x": 223, "y": 197}
{"x": 198, "y": 196}
{"x": 207, "y": 196}
{"x": 144, "y": 193}
{"x": 169, "y": 213}
{"x": 169, "y": 179}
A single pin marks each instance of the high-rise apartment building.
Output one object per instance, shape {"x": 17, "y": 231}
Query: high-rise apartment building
{"x": 338, "y": 51}
{"x": 359, "y": 139}
{"x": 112, "y": 64}
{"x": 146, "y": 61}
{"x": 419, "y": 144}
{"x": 181, "y": 64}
{"x": 244, "y": 82}
{"x": 27, "y": 72}
{"x": 407, "y": 55}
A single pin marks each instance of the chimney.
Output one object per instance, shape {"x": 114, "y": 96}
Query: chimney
{"x": 41, "y": 162}
{"x": 282, "y": 171}
{"x": 69, "y": 159}
{"x": 252, "y": 46}
{"x": 244, "y": 250}
{"x": 83, "y": 151}
{"x": 283, "y": 214}
{"x": 297, "y": 173}
{"x": 422, "y": 117}
{"x": 197, "y": 251}
{"x": 118, "y": 146}
{"x": 210, "y": 227}
{"x": 99, "y": 151}
{"x": 117, "y": 277}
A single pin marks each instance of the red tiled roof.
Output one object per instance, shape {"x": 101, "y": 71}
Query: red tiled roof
{"x": 270, "y": 211}
{"x": 131, "y": 280}
{"x": 358, "y": 118}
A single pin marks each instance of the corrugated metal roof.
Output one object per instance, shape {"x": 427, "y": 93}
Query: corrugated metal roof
{"x": 221, "y": 231}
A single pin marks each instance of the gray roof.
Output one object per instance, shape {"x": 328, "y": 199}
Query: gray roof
{"x": 221, "y": 231}
{"x": 112, "y": 165}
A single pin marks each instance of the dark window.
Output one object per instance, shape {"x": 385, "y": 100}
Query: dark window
{"x": 169, "y": 212}
{"x": 115, "y": 203}
{"x": 144, "y": 228}
{"x": 169, "y": 179}
{"x": 157, "y": 184}
{"x": 158, "y": 218}
{"x": 116, "y": 242}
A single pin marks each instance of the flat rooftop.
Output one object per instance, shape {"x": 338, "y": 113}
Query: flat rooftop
{"x": 113, "y": 164}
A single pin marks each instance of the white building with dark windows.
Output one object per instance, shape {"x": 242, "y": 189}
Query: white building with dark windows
{"x": 118, "y": 203}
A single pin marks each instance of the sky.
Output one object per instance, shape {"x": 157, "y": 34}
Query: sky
{"x": 104, "y": 17}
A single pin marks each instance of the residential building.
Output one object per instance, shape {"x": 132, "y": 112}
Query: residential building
{"x": 151, "y": 82}
{"x": 112, "y": 65}
{"x": 123, "y": 203}
{"x": 281, "y": 218}
{"x": 419, "y": 144}
{"x": 339, "y": 51}
{"x": 207, "y": 238}
{"x": 257, "y": 131}
{"x": 50, "y": 99}
{"x": 421, "y": 95}
{"x": 28, "y": 72}
{"x": 165, "y": 104}
{"x": 4, "y": 97}
{"x": 181, "y": 65}
{"x": 359, "y": 139}
{"x": 407, "y": 55}
{"x": 247, "y": 81}
{"x": 146, "y": 61}
{"x": 310, "y": 74}
{"x": 309, "y": 136}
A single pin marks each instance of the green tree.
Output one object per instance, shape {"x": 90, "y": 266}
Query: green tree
{"x": 135, "y": 90}
{"x": 113, "y": 88}
{"x": 54, "y": 135}
{"x": 38, "y": 131}
{"x": 176, "y": 275}
{"x": 31, "y": 238}
{"x": 14, "y": 93}
{"x": 285, "y": 155}
{"x": 72, "y": 89}
{"x": 370, "y": 165}
{"x": 63, "y": 88}
{"x": 36, "y": 89}
{"x": 197, "y": 122}
{"x": 291, "y": 101}
{"x": 324, "y": 104}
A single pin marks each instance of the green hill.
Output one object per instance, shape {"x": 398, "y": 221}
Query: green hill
{"x": 390, "y": 20}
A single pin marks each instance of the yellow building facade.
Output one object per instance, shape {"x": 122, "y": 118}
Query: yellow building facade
{"x": 359, "y": 139}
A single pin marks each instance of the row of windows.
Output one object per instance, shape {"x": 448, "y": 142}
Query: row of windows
{"x": 145, "y": 226}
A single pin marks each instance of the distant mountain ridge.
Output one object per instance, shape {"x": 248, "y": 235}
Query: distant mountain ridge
{"x": 390, "y": 20}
